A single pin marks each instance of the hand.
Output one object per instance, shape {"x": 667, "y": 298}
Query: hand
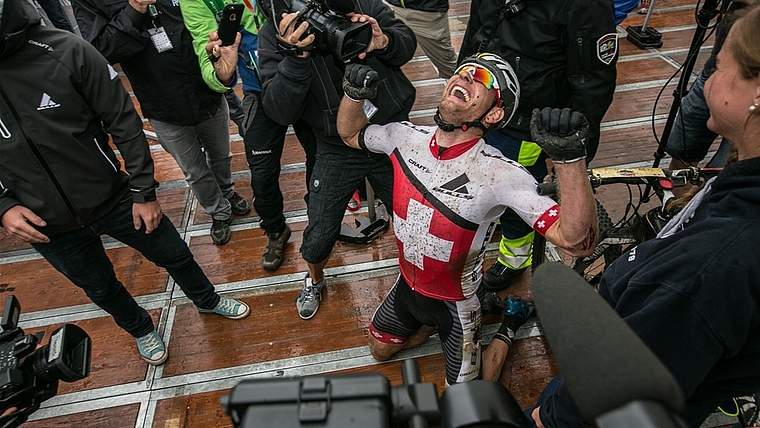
{"x": 379, "y": 39}
{"x": 148, "y": 213}
{"x": 224, "y": 58}
{"x": 291, "y": 32}
{"x": 560, "y": 133}
{"x": 16, "y": 222}
{"x": 141, "y": 5}
{"x": 360, "y": 82}
{"x": 536, "y": 417}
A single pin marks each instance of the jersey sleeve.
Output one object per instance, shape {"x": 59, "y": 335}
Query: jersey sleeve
{"x": 517, "y": 189}
{"x": 381, "y": 138}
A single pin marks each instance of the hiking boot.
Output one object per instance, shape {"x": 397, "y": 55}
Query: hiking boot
{"x": 492, "y": 304}
{"x": 239, "y": 205}
{"x": 152, "y": 348}
{"x": 220, "y": 231}
{"x": 272, "y": 257}
{"x": 229, "y": 308}
{"x": 307, "y": 302}
{"x": 499, "y": 276}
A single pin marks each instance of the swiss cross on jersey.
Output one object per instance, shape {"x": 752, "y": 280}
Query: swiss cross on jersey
{"x": 433, "y": 246}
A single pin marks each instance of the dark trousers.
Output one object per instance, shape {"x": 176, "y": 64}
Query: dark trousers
{"x": 80, "y": 256}
{"x": 264, "y": 142}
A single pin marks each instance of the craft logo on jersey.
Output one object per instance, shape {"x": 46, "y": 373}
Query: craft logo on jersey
{"x": 456, "y": 187}
{"x": 47, "y": 102}
{"x": 607, "y": 47}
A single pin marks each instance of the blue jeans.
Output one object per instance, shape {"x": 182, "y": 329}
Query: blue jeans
{"x": 203, "y": 154}
{"x": 80, "y": 256}
{"x": 690, "y": 139}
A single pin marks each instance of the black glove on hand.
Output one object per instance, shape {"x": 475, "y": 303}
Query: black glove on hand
{"x": 360, "y": 82}
{"x": 560, "y": 133}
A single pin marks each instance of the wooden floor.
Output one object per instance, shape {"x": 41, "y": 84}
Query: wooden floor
{"x": 209, "y": 354}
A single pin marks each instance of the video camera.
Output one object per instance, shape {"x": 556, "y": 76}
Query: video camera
{"x": 333, "y": 32}
{"x": 28, "y": 376}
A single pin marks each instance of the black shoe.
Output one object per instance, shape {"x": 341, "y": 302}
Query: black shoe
{"x": 220, "y": 231}
{"x": 272, "y": 257}
{"x": 499, "y": 277}
{"x": 239, "y": 205}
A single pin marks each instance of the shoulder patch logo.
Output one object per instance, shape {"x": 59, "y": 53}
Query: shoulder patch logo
{"x": 45, "y": 46}
{"x": 607, "y": 48}
{"x": 47, "y": 103}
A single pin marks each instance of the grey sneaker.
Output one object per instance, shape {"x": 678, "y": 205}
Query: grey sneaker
{"x": 307, "y": 302}
{"x": 272, "y": 257}
{"x": 229, "y": 308}
{"x": 152, "y": 348}
{"x": 220, "y": 231}
{"x": 239, "y": 205}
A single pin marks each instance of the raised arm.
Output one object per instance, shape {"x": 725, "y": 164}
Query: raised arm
{"x": 562, "y": 135}
{"x": 118, "y": 36}
{"x": 359, "y": 83}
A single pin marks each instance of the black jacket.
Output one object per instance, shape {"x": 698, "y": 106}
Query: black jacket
{"x": 168, "y": 85}
{"x": 694, "y": 299}
{"x": 563, "y": 51}
{"x": 423, "y": 5}
{"x": 57, "y": 93}
{"x": 311, "y": 87}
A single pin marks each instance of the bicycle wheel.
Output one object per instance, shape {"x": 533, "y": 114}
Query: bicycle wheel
{"x": 592, "y": 267}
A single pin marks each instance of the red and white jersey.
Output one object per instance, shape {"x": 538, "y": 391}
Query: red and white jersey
{"x": 446, "y": 203}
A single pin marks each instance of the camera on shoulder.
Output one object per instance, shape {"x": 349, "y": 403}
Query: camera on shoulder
{"x": 334, "y": 34}
{"x": 30, "y": 375}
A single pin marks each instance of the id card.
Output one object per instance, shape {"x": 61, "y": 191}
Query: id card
{"x": 369, "y": 109}
{"x": 160, "y": 39}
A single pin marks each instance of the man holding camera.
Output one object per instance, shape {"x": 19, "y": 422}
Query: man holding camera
{"x": 61, "y": 184}
{"x": 149, "y": 40}
{"x": 450, "y": 189}
{"x": 303, "y": 80}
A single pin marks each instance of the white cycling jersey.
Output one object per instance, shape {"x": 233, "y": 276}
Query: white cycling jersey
{"x": 446, "y": 202}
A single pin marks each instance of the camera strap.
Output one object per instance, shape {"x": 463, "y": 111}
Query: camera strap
{"x": 287, "y": 48}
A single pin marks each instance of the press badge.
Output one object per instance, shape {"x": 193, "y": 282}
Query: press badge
{"x": 369, "y": 109}
{"x": 160, "y": 39}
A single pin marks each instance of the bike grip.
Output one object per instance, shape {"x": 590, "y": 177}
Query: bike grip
{"x": 546, "y": 189}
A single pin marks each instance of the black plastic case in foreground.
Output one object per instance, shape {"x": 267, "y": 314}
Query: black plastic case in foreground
{"x": 355, "y": 400}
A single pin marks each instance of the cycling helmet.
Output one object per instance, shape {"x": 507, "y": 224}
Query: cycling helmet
{"x": 506, "y": 84}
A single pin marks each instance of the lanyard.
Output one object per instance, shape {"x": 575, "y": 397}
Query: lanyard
{"x": 216, "y": 6}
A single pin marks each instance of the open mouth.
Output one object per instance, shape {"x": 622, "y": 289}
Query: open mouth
{"x": 460, "y": 93}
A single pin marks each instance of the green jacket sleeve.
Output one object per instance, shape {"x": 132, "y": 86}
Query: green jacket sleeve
{"x": 200, "y": 21}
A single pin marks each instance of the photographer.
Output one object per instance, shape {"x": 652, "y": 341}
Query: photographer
{"x": 61, "y": 184}
{"x": 302, "y": 82}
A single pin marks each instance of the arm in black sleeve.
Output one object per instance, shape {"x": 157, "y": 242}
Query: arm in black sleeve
{"x": 402, "y": 40}
{"x": 285, "y": 78}
{"x": 103, "y": 91}
{"x": 118, "y": 36}
{"x": 592, "y": 52}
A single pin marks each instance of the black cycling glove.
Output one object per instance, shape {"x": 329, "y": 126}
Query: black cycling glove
{"x": 360, "y": 82}
{"x": 561, "y": 133}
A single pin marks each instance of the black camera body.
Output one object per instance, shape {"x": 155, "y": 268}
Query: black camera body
{"x": 30, "y": 375}
{"x": 333, "y": 33}
{"x": 368, "y": 400}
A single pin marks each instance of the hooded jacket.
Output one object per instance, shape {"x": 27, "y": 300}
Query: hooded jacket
{"x": 57, "y": 95}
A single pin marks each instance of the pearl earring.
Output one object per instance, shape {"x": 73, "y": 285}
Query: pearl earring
{"x": 752, "y": 108}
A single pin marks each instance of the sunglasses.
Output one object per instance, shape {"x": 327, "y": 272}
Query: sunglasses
{"x": 482, "y": 76}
